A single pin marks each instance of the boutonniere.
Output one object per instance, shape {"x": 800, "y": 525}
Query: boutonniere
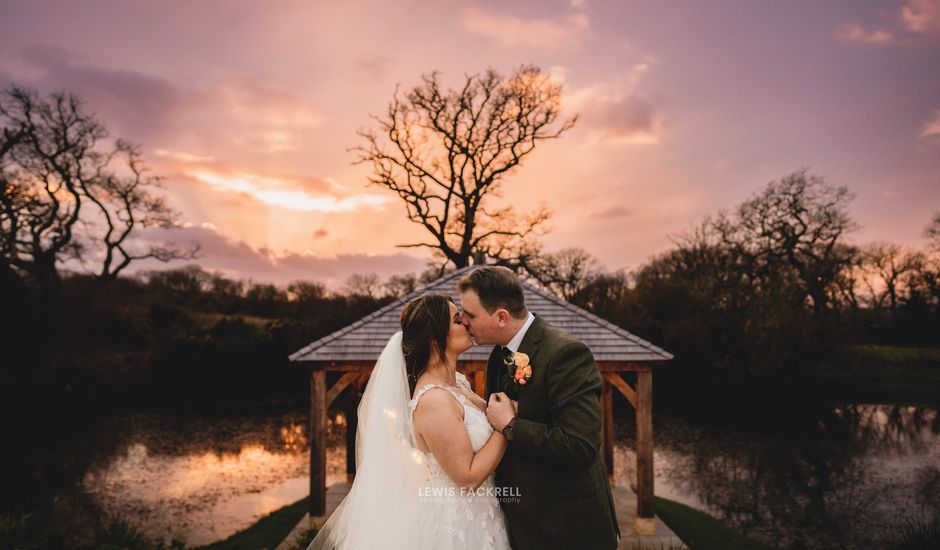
{"x": 519, "y": 367}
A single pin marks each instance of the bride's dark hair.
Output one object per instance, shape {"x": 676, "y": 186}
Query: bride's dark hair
{"x": 425, "y": 323}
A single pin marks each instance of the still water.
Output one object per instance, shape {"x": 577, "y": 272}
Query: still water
{"x": 843, "y": 476}
{"x": 201, "y": 479}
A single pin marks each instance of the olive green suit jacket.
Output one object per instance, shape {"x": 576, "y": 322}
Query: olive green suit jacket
{"x": 553, "y": 461}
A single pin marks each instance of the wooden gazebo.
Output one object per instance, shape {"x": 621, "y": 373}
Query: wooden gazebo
{"x": 346, "y": 357}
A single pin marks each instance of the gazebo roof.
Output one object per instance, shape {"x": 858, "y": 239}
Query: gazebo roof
{"x": 365, "y": 339}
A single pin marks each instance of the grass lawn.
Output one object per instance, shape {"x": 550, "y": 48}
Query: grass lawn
{"x": 701, "y": 531}
{"x": 884, "y": 374}
{"x": 267, "y": 532}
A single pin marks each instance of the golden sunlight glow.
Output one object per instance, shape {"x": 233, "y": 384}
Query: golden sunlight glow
{"x": 271, "y": 191}
{"x": 182, "y": 156}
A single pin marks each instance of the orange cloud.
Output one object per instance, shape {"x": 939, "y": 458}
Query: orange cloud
{"x": 284, "y": 193}
{"x": 272, "y": 119}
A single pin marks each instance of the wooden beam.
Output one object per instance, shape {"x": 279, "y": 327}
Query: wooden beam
{"x": 317, "y": 443}
{"x": 336, "y": 366}
{"x": 339, "y": 386}
{"x": 618, "y": 382}
{"x": 644, "y": 454}
{"x": 623, "y": 366}
{"x": 607, "y": 425}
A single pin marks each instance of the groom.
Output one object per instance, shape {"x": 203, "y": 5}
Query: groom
{"x": 552, "y": 461}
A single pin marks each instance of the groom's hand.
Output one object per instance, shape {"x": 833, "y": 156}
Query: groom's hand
{"x": 499, "y": 411}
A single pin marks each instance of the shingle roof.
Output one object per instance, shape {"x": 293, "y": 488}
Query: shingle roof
{"x": 365, "y": 339}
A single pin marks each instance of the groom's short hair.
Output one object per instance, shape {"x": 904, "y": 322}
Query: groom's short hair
{"x": 497, "y": 287}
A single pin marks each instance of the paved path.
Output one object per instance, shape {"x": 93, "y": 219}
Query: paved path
{"x": 624, "y": 500}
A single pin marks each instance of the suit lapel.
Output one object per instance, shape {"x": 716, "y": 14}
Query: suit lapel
{"x": 528, "y": 346}
{"x": 530, "y": 342}
{"x": 497, "y": 378}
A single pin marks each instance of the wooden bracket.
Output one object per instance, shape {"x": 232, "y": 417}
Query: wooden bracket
{"x": 339, "y": 386}
{"x": 618, "y": 382}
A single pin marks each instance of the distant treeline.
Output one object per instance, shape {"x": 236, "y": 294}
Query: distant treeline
{"x": 756, "y": 303}
{"x": 766, "y": 292}
{"x": 176, "y": 338}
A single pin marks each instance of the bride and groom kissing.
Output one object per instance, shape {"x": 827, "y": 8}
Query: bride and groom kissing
{"x": 442, "y": 468}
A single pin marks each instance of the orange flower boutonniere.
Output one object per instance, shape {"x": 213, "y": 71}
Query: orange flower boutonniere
{"x": 523, "y": 368}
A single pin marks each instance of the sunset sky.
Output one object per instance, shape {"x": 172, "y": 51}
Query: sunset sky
{"x": 248, "y": 108}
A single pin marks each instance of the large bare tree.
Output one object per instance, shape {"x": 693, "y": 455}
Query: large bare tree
{"x": 69, "y": 195}
{"x": 796, "y": 226}
{"x": 446, "y": 154}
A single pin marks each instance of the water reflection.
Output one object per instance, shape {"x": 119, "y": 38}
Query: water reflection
{"x": 830, "y": 478}
{"x": 210, "y": 479}
{"x": 846, "y": 477}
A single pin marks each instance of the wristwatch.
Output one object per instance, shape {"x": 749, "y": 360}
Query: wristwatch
{"x": 508, "y": 428}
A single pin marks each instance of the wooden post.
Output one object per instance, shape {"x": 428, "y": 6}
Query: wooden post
{"x": 352, "y": 423}
{"x": 645, "y": 522}
{"x": 317, "y": 443}
{"x": 607, "y": 426}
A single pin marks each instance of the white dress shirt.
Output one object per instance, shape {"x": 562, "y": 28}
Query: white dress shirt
{"x": 516, "y": 341}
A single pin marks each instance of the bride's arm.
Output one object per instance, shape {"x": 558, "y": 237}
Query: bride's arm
{"x": 438, "y": 420}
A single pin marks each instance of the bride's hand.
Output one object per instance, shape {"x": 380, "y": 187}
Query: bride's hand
{"x": 515, "y": 407}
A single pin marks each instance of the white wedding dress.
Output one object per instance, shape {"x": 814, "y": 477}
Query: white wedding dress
{"x": 461, "y": 519}
{"x": 401, "y": 499}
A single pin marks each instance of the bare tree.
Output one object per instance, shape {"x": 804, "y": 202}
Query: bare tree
{"x": 929, "y": 278}
{"x": 566, "y": 272}
{"x": 888, "y": 273}
{"x": 932, "y": 233}
{"x": 363, "y": 284}
{"x": 67, "y": 195}
{"x": 446, "y": 153}
{"x": 401, "y": 285}
{"x": 306, "y": 291}
{"x": 797, "y": 225}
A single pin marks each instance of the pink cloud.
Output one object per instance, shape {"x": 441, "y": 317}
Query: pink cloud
{"x": 252, "y": 117}
{"x": 932, "y": 127}
{"x": 619, "y": 111}
{"x": 237, "y": 259}
{"x": 130, "y": 103}
{"x": 922, "y": 16}
{"x": 511, "y": 31}
{"x": 614, "y": 211}
{"x": 853, "y": 33}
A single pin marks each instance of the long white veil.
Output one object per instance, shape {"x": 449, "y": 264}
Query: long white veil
{"x": 383, "y": 506}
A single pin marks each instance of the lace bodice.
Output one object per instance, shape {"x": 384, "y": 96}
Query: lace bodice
{"x": 478, "y": 427}
{"x": 462, "y": 520}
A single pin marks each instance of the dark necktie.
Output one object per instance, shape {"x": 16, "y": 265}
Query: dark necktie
{"x": 504, "y": 357}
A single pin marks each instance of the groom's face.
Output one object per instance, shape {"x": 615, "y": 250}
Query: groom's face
{"x": 484, "y": 327}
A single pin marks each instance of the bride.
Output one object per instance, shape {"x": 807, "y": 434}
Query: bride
{"x": 425, "y": 464}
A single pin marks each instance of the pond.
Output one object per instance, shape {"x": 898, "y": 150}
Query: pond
{"x": 841, "y": 476}
{"x": 201, "y": 479}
